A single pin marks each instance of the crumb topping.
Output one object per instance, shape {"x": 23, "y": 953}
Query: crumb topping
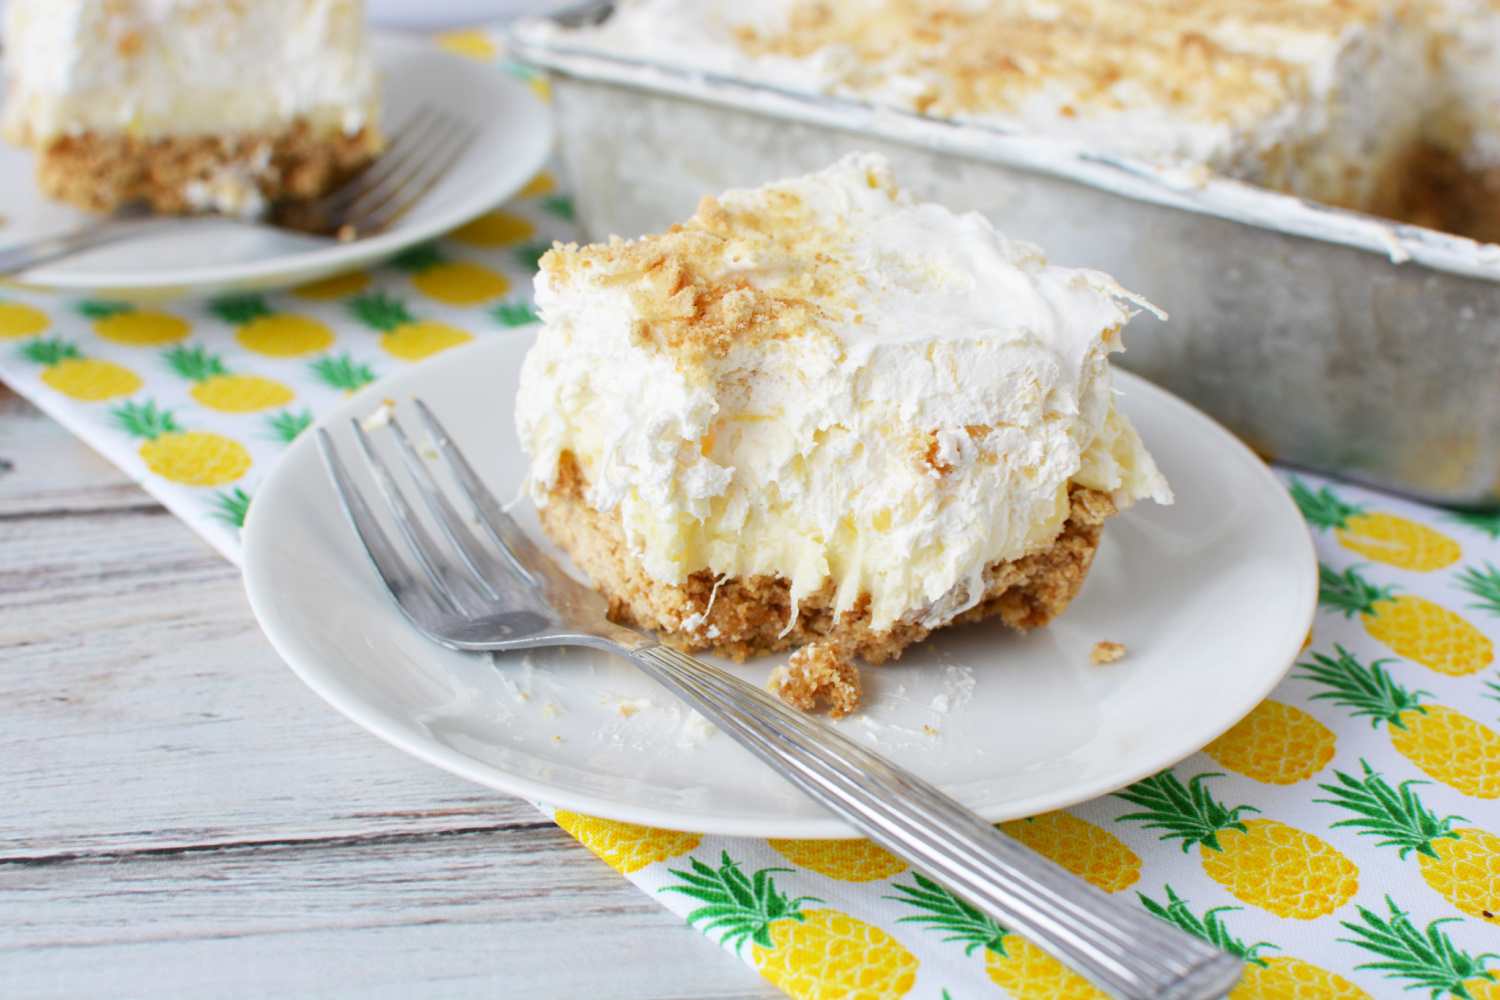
{"x": 817, "y": 672}
{"x": 1105, "y": 651}
{"x": 1212, "y": 58}
{"x": 728, "y": 278}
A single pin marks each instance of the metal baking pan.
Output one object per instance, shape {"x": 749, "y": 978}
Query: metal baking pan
{"x": 1323, "y": 338}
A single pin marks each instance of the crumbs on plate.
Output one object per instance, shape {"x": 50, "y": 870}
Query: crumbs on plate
{"x": 1105, "y": 651}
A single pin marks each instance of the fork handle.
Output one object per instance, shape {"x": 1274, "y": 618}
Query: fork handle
{"x": 25, "y": 256}
{"x": 1124, "y": 951}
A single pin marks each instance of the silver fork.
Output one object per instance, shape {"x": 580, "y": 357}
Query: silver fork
{"x": 420, "y": 151}
{"x": 508, "y": 594}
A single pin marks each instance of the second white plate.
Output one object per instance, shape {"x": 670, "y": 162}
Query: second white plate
{"x": 210, "y": 255}
{"x": 1212, "y": 598}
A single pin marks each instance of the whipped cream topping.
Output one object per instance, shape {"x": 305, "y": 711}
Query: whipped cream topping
{"x": 822, "y": 379}
{"x": 185, "y": 67}
{"x": 1308, "y": 96}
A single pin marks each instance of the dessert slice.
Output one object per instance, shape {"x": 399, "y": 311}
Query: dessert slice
{"x": 822, "y": 415}
{"x": 190, "y": 105}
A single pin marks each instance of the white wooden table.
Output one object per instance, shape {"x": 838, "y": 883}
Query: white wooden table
{"x": 182, "y": 818}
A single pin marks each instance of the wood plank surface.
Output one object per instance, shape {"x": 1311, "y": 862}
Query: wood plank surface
{"x": 183, "y": 818}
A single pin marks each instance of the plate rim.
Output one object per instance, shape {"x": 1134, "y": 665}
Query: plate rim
{"x": 289, "y": 269}
{"x": 827, "y": 827}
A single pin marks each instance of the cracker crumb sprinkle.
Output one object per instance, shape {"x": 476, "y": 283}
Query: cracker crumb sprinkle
{"x": 1105, "y": 651}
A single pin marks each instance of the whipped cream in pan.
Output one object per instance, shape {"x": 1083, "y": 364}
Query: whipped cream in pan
{"x": 185, "y": 67}
{"x": 1319, "y": 98}
{"x": 823, "y": 379}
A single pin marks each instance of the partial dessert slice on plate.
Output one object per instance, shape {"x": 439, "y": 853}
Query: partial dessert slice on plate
{"x": 822, "y": 415}
{"x": 193, "y": 105}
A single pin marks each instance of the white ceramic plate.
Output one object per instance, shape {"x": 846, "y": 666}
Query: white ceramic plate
{"x": 433, "y": 15}
{"x": 1212, "y": 598}
{"x": 213, "y": 254}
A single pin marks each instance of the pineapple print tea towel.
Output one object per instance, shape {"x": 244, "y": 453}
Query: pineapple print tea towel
{"x": 1344, "y": 838}
{"x": 195, "y": 399}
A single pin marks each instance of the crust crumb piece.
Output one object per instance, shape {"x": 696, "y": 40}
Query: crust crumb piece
{"x": 818, "y": 671}
{"x": 1105, "y": 651}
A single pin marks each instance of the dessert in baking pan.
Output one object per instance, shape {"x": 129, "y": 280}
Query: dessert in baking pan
{"x": 1385, "y": 106}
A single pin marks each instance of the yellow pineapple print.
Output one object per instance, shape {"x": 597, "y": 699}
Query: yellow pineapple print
{"x": 1445, "y": 744}
{"x": 810, "y": 954}
{"x": 192, "y": 458}
{"x": 625, "y": 847}
{"x": 20, "y": 320}
{"x": 88, "y": 380}
{"x": 1277, "y": 977}
{"x": 337, "y": 287}
{"x": 1384, "y": 538}
{"x": 217, "y": 389}
{"x": 1012, "y": 963}
{"x": 1463, "y": 865}
{"x": 1275, "y": 744}
{"x": 1265, "y": 863}
{"x": 845, "y": 860}
{"x": 276, "y": 335}
{"x": 404, "y": 336}
{"x": 494, "y": 229}
{"x": 123, "y": 323}
{"x": 829, "y": 954}
{"x": 1413, "y": 627}
{"x": 543, "y": 183}
{"x": 471, "y": 42}
{"x": 451, "y": 282}
{"x": 1088, "y": 851}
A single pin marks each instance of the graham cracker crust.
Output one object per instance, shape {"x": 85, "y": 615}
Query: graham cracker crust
{"x": 99, "y": 173}
{"x": 748, "y": 616}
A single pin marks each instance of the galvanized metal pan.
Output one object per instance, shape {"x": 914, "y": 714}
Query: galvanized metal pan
{"x": 1324, "y": 338}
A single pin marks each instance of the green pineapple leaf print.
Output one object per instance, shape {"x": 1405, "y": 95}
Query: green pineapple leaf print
{"x": 1483, "y": 585}
{"x": 240, "y": 310}
{"x": 1393, "y": 813}
{"x": 560, "y": 205}
{"x": 514, "y": 314}
{"x": 1487, "y": 521}
{"x": 530, "y": 255}
{"x": 1427, "y": 960}
{"x": 944, "y": 912}
{"x": 231, "y": 507}
{"x": 341, "y": 373}
{"x": 1210, "y": 927}
{"x": 1011, "y": 962}
{"x": 419, "y": 258}
{"x": 286, "y": 425}
{"x": 99, "y": 309}
{"x": 1188, "y": 814}
{"x": 744, "y": 908}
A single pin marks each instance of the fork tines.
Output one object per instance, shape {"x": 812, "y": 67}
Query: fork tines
{"x": 421, "y": 150}
{"x": 470, "y": 587}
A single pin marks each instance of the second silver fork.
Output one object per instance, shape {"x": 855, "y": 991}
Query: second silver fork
{"x": 499, "y": 591}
